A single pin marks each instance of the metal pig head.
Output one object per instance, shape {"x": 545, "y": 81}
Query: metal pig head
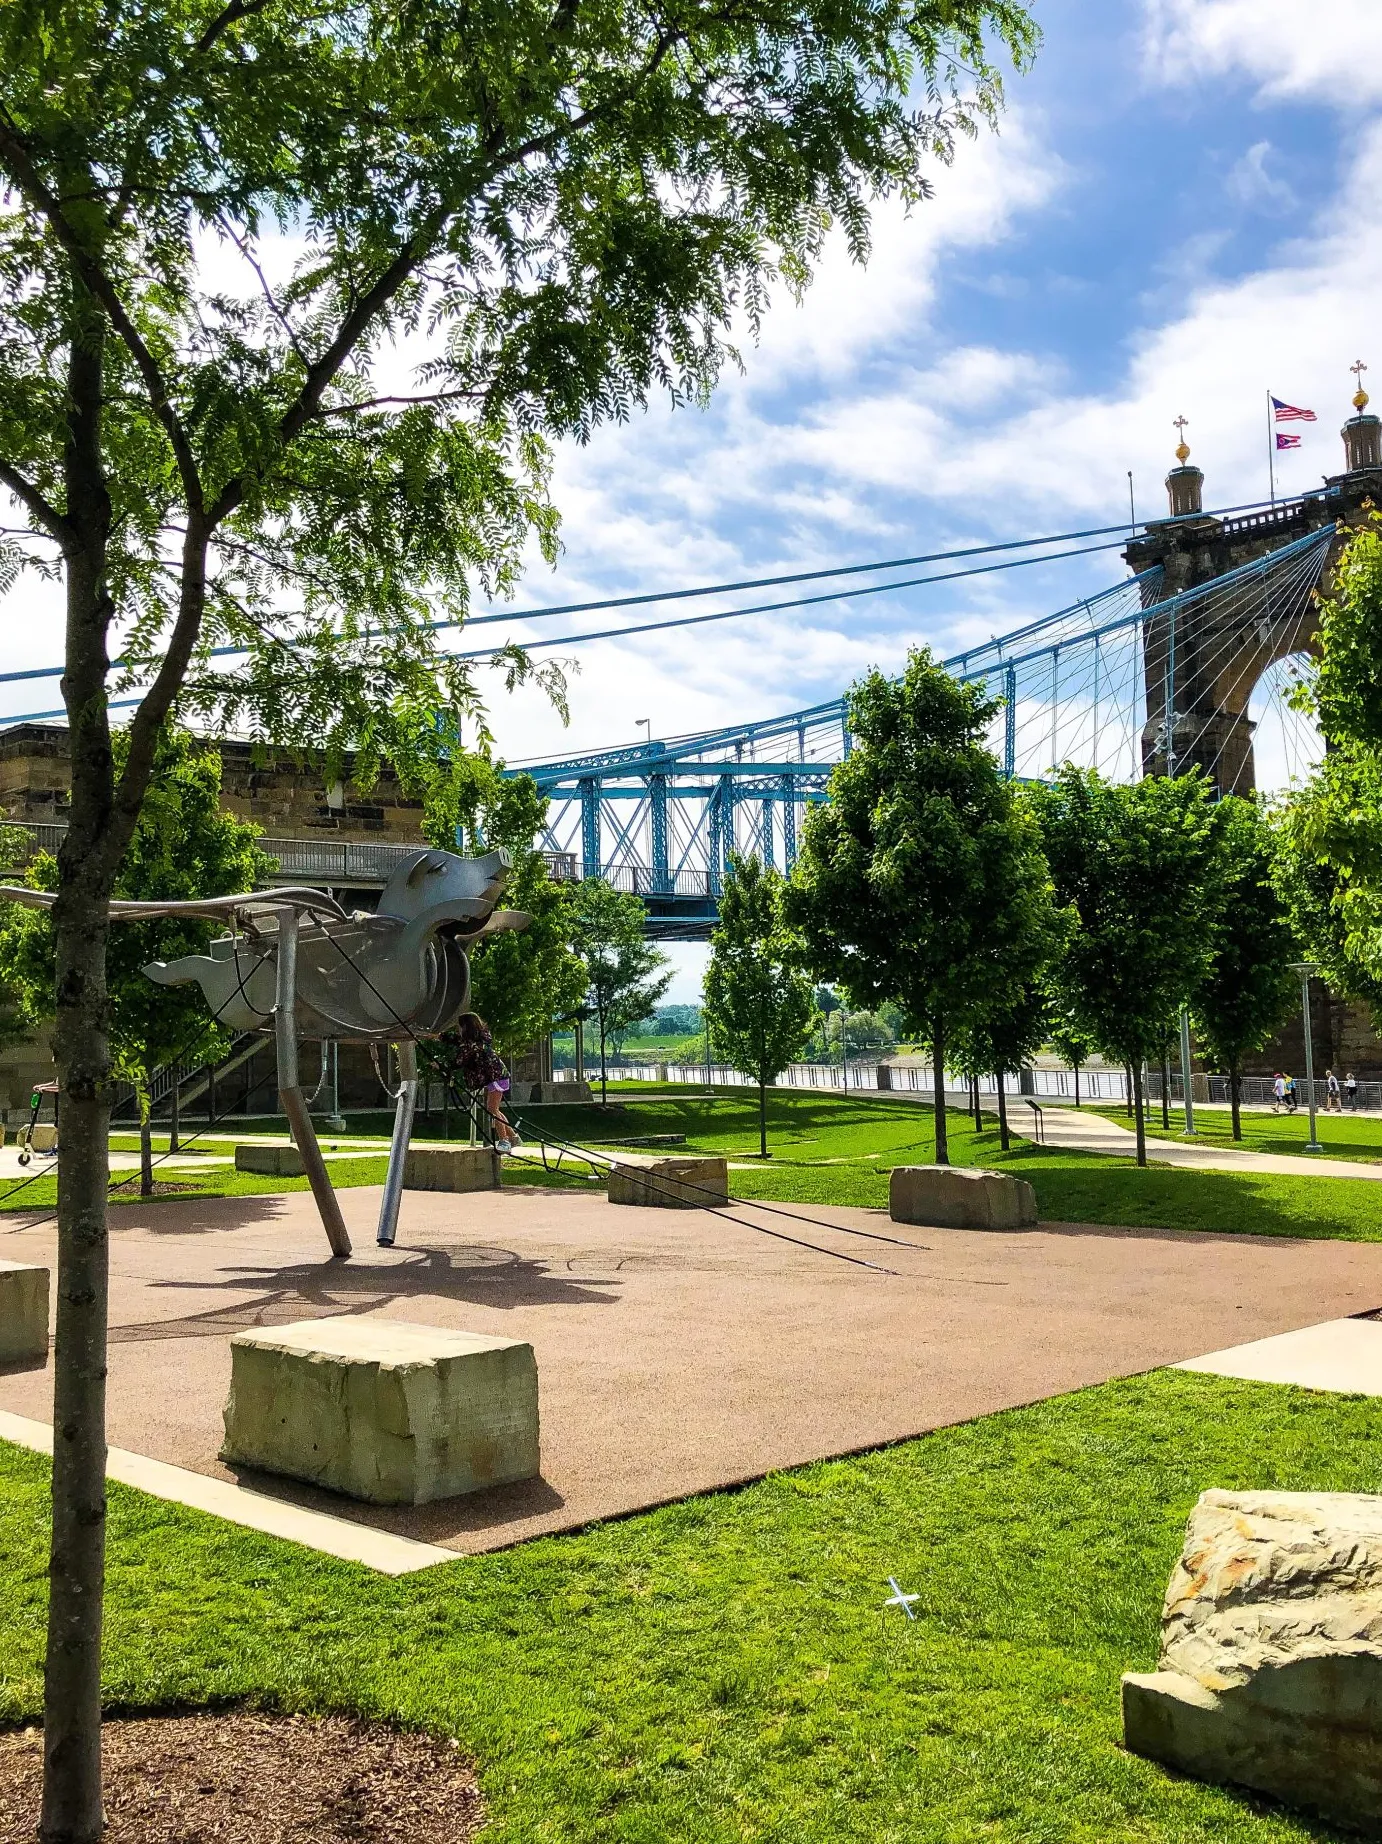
{"x": 401, "y": 971}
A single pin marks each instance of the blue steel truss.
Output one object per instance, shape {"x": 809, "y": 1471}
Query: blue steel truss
{"x": 660, "y": 818}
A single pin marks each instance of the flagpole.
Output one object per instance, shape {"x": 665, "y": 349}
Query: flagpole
{"x": 1271, "y": 456}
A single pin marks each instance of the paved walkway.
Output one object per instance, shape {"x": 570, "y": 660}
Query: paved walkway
{"x": 678, "y": 1351}
{"x": 1341, "y": 1354}
{"x": 1079, "y": 1130}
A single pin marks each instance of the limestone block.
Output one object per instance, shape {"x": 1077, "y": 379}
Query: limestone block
{"x": 1271, "y": 1653}
{"x": 451, "y": 1168}
{"x": 271, "y": 1161}
{"x": 954, "y": 1197}
{"x": 23, "y": 1312}
{"x": 679, "y": 1184}
{"x": 391, "y": 1413}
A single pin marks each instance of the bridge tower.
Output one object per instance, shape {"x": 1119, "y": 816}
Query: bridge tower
{"x": 1200, "y": 671}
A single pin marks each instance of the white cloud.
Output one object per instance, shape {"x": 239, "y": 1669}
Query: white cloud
{"x": 1250, "y": 184}
{"x": 1330, "y": 51}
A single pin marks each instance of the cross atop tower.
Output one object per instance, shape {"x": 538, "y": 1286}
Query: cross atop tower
{"x": 1360, "y": 396}
{"x": 1183, "y": 449}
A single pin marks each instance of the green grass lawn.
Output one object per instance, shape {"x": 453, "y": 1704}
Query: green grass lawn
{"x": 1343, "y": 1136}
{"x": 839, "y": 1149}
{"x": 723, "y": 1669}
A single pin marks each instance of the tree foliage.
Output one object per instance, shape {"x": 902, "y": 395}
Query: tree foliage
{"x": 1135, "y": 865}
{"x": 294, "y": 299}
{"x": 757, "y": 998}
{"x": 523, "y": 983}
{"x": 624, "y": 972}
{"x": 922, "y": 880}
{"x": 184, "y": 847}
{"x": 1246, "y": 987}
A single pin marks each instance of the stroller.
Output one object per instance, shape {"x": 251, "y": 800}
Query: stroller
{"x": 40, "y": 1136}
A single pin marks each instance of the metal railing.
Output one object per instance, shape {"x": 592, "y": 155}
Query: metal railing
{"x": 1038, "y": 1120}
{"x": 329, "y": 861}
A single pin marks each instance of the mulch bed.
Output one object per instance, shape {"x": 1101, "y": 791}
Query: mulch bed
{"x": 247, "y": 1778}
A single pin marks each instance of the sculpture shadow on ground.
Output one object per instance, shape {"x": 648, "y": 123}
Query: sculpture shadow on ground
{"x": 483, "y": 1275}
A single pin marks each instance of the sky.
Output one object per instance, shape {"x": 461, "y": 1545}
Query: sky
{"x": 1180, "y": 211}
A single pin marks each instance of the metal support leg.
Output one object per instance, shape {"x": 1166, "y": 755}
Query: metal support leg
{"x": 290, "y": 1089}
{"x": 398, "y": 1151}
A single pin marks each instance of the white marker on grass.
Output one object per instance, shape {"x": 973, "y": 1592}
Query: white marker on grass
{"x": 899, "y": 1599}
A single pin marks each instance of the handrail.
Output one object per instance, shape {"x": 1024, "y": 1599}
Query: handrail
{"x": 1038, "y": 1121}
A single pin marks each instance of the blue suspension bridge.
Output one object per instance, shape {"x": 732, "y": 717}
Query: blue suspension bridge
{"x": 1146, "y": 677}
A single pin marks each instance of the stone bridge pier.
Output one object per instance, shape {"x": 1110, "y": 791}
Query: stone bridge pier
{"x": 1202, "y": 663}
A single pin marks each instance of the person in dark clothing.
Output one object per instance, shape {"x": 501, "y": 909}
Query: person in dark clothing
{"x": 482, "y": 1071}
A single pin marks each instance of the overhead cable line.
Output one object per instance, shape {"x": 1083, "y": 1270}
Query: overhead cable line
{"x": 808, "y": 601}
{"x": 676, "y": 595}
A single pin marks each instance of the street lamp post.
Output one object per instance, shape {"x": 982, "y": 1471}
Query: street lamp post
{"x": 1305, "y": 968}
{"x": 1185, "y": 1069}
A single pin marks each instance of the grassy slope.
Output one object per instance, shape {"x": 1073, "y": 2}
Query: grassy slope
{"x": 835, "y": 1149}
{"x": 723, "y": 1669}
{"x": 1343, "y": 1136}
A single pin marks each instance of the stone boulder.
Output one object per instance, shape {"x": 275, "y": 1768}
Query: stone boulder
{"x": 955, "y": 1197}
{"x": 1271, "y": 1653}
{"x": 451, "y": 1168}
{"x": 23, "y": 1313}
{"x": 380, "y": 1410}
{"x": 270, "y": 1161}
{"x": 677, "y": 1184}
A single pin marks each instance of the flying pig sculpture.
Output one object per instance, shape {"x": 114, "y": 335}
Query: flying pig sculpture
{"x": 397, "y": 974}
{"x": 300, "y": 966}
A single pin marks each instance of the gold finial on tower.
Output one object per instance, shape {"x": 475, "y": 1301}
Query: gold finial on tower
{"x": 1360, "y": 396}
{"x": 1183, "y": 448}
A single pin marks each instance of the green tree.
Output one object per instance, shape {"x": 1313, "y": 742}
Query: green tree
{"x": 221, "y": 222}
{"x": 922, "y": 880}
{"x": 623, "y": 970}
{"x": 1005, "y": 1036}
{"x": 1247, "y": 987}
{"x": 526, "y": 982}
{"x": 1063, "y": 1030}
{"x": 1136, "y": 866}
{"x": 757, "y": 999}
{"x": 184, "y": 846}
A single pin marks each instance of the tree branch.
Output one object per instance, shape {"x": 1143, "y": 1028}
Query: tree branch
{"x": 228, "y": 16}
{"x": 102, "y": 289}
{"x": 373, "y": 403}
{"x": 43, "y": 510}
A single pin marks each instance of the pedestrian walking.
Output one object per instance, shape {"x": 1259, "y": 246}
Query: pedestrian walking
{"x": 1351, "y": 1089}
{"x": 1333, "y": 1100}
{"x": 1289, "y": 1095}
{"x": 1278, "y": 1092}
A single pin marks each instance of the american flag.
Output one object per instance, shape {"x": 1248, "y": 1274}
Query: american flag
{"x": 1287, "y": 441}
{"x": 1288, "y": 413}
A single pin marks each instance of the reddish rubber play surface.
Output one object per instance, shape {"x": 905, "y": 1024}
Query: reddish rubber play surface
{"x": 677, "y": 1351}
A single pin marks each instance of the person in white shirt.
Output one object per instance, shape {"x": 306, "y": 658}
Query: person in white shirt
{"x": 1278, "y": 1092}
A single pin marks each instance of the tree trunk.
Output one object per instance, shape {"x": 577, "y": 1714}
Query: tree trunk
{"x": 938, "y": 1059}
{"x": 1077, "y": 1085}
{"x": 1003, "y": 1115}
{"x": 1127, "y": 1088}
{"x": 1165, "y": 1092}
{"x": 974, "y": 1097}
{"x": 604, "y": 1089}
{"x": 146, "y": 1151}
{"x": 1235, "y": 1086}
{"x": 763, "y": 1120}
{"x": 1140, "y": 1112}
{"x": 173, "y": 1120}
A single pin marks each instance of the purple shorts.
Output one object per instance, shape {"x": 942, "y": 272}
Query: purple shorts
{"x": 501, "y": 1087}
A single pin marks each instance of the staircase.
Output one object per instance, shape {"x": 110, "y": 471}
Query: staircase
{"x": 190, "y": 1085}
